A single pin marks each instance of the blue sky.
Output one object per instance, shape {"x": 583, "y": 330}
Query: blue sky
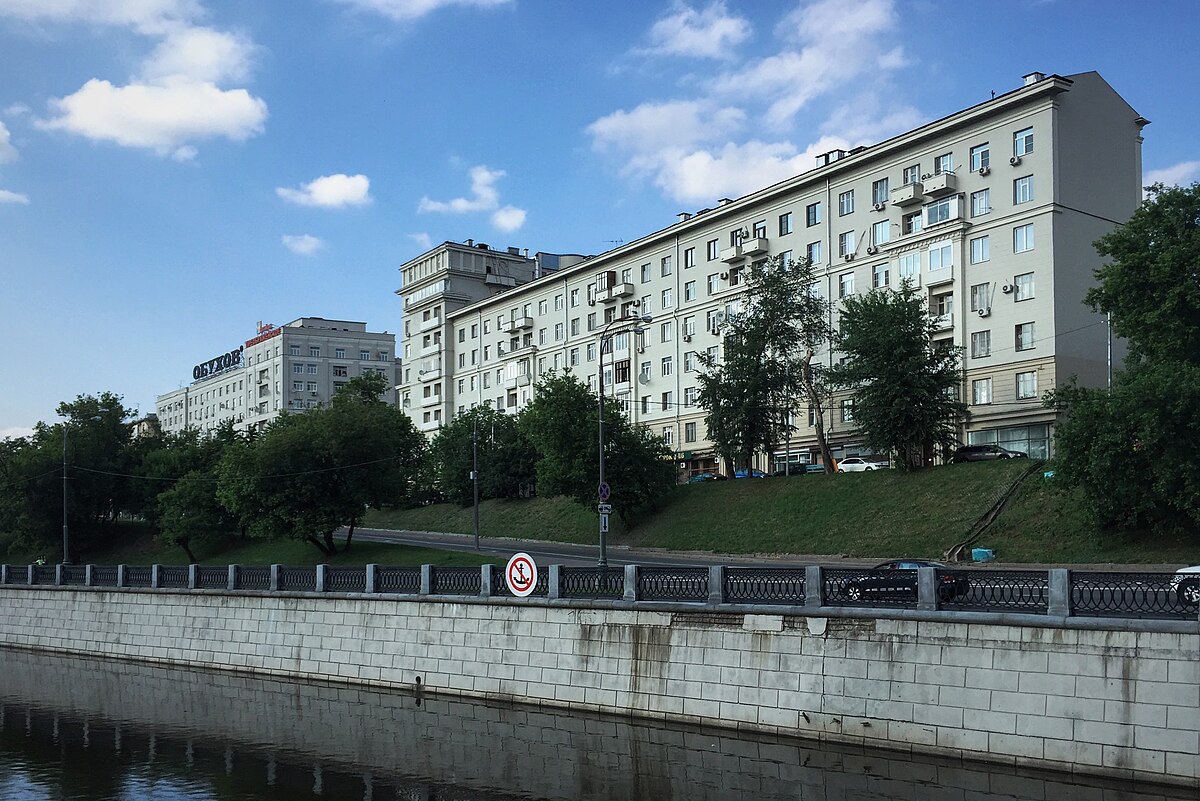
{"x": 174, "y": 171}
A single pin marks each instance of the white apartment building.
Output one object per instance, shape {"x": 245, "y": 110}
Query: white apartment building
{"x": 297, "y": 366}
{"x": 991, "y": 212}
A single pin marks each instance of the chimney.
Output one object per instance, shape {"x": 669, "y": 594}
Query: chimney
{"x": 684, "y": 216}
{"x": 1034, "y": 77}
{"x": 724, "y": 201}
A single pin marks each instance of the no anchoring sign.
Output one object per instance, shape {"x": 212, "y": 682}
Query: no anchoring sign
{"x": 521, "y": 574}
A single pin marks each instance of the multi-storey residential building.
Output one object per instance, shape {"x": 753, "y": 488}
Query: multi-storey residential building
{"x": 990, "y": 212}
{"x": 296, "y": 366}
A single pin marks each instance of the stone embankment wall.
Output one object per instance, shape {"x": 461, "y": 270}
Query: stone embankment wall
{"x": 1124, "y": 703}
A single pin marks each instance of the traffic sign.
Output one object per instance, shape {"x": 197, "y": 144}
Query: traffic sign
{"x": 521, "y": 574}
{"x": 604, "y": 508}
{"x": 604, "y": 522}
{"x": 604, "y": 490}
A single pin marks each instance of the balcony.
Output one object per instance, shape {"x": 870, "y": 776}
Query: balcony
{"x": 941, "y": 322}
{"x": 754, "y": 247}
{"x": 431, "y": 373}
{"x": 432, "y": 322}
{"x": 908, "y": 195}
{"x": 615, "y": 292}
{"x": 517, "y": 381}
{"x": 432, "y": 400}
{"x": 492, "y": 279}
{"x": 519, "y": 324}
{"x": 731, "y": 254}
{"x": 942, "y": 183}
{"x": 528, "y": 349}
{"x": 942, "y": 276}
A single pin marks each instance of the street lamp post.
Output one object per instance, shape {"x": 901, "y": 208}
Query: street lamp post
{"x": 606, "y": 336}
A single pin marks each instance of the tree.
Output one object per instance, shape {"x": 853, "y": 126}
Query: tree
{"x": 768, "y": 361}
{"x": 904, "y": 387}
{"x": 506, "y": 457}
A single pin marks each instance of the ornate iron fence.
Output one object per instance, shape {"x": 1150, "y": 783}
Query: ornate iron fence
{"x": 104, "y": 576}
{"x": 457, "y": 581}
{"x": 254, "y": 578}
{"x": 346, "y": 579}
{"x": 994, "y": 591}
{"x": 673, "y": 583}
{"x": 43, "y": 574}
{"x": 298, "y": 579}
{"x": 74, "y": 575}
{"x": 1151, "y": 595}
{"x": 138, "y": 576}
{"x": 541, "y": 588}
{"x": 398, "y": 579}
{"x": 212, "y": 578}
{"x": 591, "y": 582}
{"x": 173, "y": 576}
{"x": 870, "y": 588}
{"x": 765, "y": 585}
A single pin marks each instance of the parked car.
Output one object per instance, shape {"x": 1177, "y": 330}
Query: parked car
{"x": 984, "y": 453}
{"x": 855, "y": 464}
{"x": 815, "y": 467}
{"x": 898, "y": 579}
{"x": 755, "y": 473}
{"x": 700, "y": 478}
{"x": 1186, "y": 586}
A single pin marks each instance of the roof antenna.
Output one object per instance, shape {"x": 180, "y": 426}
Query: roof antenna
{"x": 993, "y": 94}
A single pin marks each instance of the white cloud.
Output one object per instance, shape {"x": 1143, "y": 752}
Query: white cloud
{"x": 18, "y": 110}
{"x": 509, "y": 218}
{"x": 7, "y": 151}
{"x": 708, "y": 33}
{"x": 199, "y": 54}
{"x": 13, "y": 197}
{"x": 484, "y": 195}
{"x": 423, "y": 240}
{"x": 406, "y": 10}
{"x": 143, "y": 15}
{"x": 733, "y": 170}
{"x": 1182, "y": 174}
{"x": 652, "y": 127}
{"x": 330, "y": 191}
{"x": 162, "y": 118}
{"x": 15, "y": 431}
{"x": 302, "y": 244}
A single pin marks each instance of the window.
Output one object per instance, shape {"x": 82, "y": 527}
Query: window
{"x": 310, "y": 369}
{"x": 574, "y": 326}
{"x": 1024, "y": 336}
{"x": 646, "y": 304}
{"x": 714, "y": 283}
{"x": 910, "y": 268}
{"x": 980, "y": 250}
{"x": 689, "y": 291}
{"x": 981, "y": 344}
{"x": 940, "y": 257}
{"x": 713, "y": 353}
{"x": 1023, "y": 238}
{"x": 713, "y": 249}
{"x": 591, "y": 352}
{"x": 543, "y": 307}
{"x": 981, "y": 202}
{"x": 668, "y": 298}
{"x": 981, "y": 157}
{"x": 981, "y": 391}
{"x": 462, "y": 335}
{"x": 845, "y": 285}
{"x": 690, "y": 396}
{"x": 311, "y": 386}
{"x": 812, "y": 214}
{"x": 785, "y": 257}
{"x": 668, "y": 331}
{"x": 462, "y": 360}
{"x": 1023, "y": 142}
{"x": 941, "y": 210}
{"x": 591, "y": 321}
{"x": 910, "y": 223}
{"x": 846, "y": 203}
{"x": 365, "y": 355}
{"x": 1023, "y": 190}
{"x": 665, "y": 266}
{"x": 1023, "y": 287}
{"x": 574, "y": 360}
{"x": 668, "y": 435}
{"x": 689, "y": 258}
{"x": 339, "y": 371}
{"x": 668, "y": 366}
{"x": 689, "y": 361}
{"x": 541, "y": 337}
{"x": 912, "y": 175}
{"x": 297, "y": 386}
{"x": 814, "y": 252}
{"x": 879, "y": 275}
{"x": 668, "y": 401}
{"x": 760, "y": 229}
{"x": 314, "y": 351}
{"x": 785, "y": 224}
{"x": 881, "y": 232}
{"x": 879, "y": 191}
{"x": 645, "y": 404}
{"x": 574, "y": 300}
{"x": 646, "y": 372}
{"x": 942, "y": 305}
{"x": 943, "y": 163}
{"x": 689, "y": 432}
{"x": 294, "y": 350}
{"x": 848, "y": 410}
{"x": 980, "y": 297}
{"x": 645, "y": 273}
{"x": 558, "y": 332}
{"x": 1027, "y": 385}
{"x": 846, "y": 243}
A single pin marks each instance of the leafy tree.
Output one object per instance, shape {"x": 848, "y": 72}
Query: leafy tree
{"x": 506, "y": 457}
{"x": 768, "y": 361}
{"x": 903, "y": 386}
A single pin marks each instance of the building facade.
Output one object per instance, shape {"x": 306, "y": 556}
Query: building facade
{"x": 990, "y": 212}
{"x": 297, "y": 366}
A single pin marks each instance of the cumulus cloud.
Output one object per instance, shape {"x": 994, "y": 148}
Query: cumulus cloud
{"x": 484, "y": 197}
{"x": 200, "y": 55}
{"x": 12, "y": 197}
{"x": 509, "y": 218}
{"x": 7, "y": 151}
{"x": 711, "y": 32}
{"x": 423, "y": 240}
{"x": 330, "y": 191}
{"x": 302, "y": 244}
{"x": 1181, "y": 174}
{"x": 651, "y": 127}
{"x": 407, "y": 10}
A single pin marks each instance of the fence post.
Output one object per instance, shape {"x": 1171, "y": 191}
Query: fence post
{"x": 58, "y": 574}
{"x": 155, "y": 576}
{"x": 121, "y": 580}
{"x": 487, "y": 578}
{"x": 554, "y": 582}
{"x": 3, "y": 574}
{"x": 231, "y": 580}
{"x": 322, "y": 578}
{"x": 88, "y": 575}
{"x": 372, "y": 574}
{"x": 631, "y": 582}
{"x": 716, "y": 584}
{"x": 275, "y": 571}
{"x": 927, "y": 588}
{"x": 29, "y": 575}
{"x": 1059, "y": 584}
{"x": 814, "y": 587}
{"x": 426, "y": 579}
{"x": 193, "y": 576}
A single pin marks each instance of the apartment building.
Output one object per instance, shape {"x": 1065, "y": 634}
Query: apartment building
{"x": 296, "y": 366}
{"x": 990, "y": 212}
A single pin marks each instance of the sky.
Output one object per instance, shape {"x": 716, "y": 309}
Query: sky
{"x": 173, "y": 172}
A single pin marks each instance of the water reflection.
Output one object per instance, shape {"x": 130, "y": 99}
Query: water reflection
{"x": 91, "y": 730}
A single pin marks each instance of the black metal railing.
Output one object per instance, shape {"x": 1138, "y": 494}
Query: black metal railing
{"x": 591, "y": 582}
{"x": 299, "y": 579}
{"x": 138, "y": 576}
{"x": 212, "y": 578}
{"x": 405, "y": 580}
{"x": 74, "y": 575}
{"x": 994, "y": 590}
{"x": 173, "y": 577}
{"x": 254, "y": 578}
{"x": 44, "y": 574}
{"x": 104, "y": 576}
{"x": 457, "y": 581}
{"x": 541, "y": 588}
{"x": 764, "y": 585}
{"x": 673, "y": 583}
{"x": 346, "y": 579}
{"x": 1152, "y": 595}
{"x": 870, "y": 588}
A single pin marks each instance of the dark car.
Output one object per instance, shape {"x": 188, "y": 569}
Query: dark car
{"x": 700, "y": 478}
{"x": 755, "y": 473}
{"x": 984, "y": 453}
{"x": 898, "y": 580}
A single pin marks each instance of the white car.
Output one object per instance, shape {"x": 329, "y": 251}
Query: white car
{"x": 854, "y": 464}
{"x": 1186, "y": 585}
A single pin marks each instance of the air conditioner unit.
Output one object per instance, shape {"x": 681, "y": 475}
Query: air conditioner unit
{"x": 635, "y": 303}
{"x": 687, "y": 337}
{"x": 849, "y": 257}
{"x": 641, "y": 350}
{"x": 1007, "y": 289}
{"x": 880, "y": 206}
{"x": 872, "y": 250}
{"x": 1015, "y": 160}
{"x": 985, "y": 170}
{"x": 724, "y": 276}
{"x": 313, "y": 394}
{"x": 984, "y": 312}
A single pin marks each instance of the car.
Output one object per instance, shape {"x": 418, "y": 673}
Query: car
{"x": 985, "y": 453}
{"x": 700, "y": 478}
{"x": 855, "y": 464}
{"x": 1186, "y": 586}
{"x": 897, "y": 579}
{"x": 754, "y": 473}
{"x": 814, "y": 467}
